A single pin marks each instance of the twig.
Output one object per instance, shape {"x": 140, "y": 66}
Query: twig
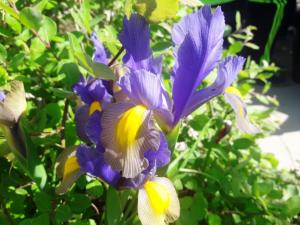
{"x": 63, "y": 123}
{"x": 47, "y": 44}
{"x": 116, "y": 56}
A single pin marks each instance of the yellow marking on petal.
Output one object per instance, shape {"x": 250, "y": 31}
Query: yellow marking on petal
{"x": 158, "y": 195}
{"x": 95, "y": 106}
{"x": 234, "y": 90}
{"x": 128, "y": 126}
{"x": 71, "y": 166}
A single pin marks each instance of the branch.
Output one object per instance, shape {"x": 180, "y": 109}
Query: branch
{"x": 116, "y": 56}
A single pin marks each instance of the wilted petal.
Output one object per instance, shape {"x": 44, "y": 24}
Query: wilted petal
{"x": 127, "y": 132}
{"x": 92, "y": 161}
{"x": 158, "y": 202}
{"x": 239, "y": 108}
{"x": 100, "y": 55}
{"x": 198, "y": 38}
{"x": 228, "y": 71}
{"x": 135, "y": 38}
{"x": 14, "y": 104}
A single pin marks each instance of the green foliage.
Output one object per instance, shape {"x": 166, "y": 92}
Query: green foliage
{"x": 228, "y": 181}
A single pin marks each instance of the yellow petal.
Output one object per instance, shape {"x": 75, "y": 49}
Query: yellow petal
{"x": 158, "y": 203}
{"x": 71, "y": 166}
{"x": 128, "y": 126}
{"x": 234, "y": 90}
{"x": 95, "y": 106}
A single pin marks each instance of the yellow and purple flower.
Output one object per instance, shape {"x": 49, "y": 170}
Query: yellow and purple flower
{"x": 126, "y": 136}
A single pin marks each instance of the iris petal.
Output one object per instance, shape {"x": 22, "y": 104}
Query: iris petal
{"x": 128, "y": 156}
{"x": 198, "y": 38}
{"x": 239, "y": 108}
{"x": 158, "y": 203}
{"x": 135, "y": 38}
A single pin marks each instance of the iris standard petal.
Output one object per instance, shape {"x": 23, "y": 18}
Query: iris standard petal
{"x": 198, "y": 38}
{"x": 92, "y": 161}
{"x": 158, "y": 203}
{"x": 233, "y": 97}
{"x": 135, "y": 38}
{"x": 227, "y": 73}
{"x": 91, "y": 90}
{"x": 146, "y": 88}
{"x": 127, "y": 132}
{"x": 100, "y": 54}
{"x": 143, "y": 87}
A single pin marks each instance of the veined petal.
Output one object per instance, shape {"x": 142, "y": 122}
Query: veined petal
{"x": 100, "y": 54}
{"x": 135, "y": 38}
{"x": 158, "y": 203}
{"x": 198, "y": 38}
{"x": 161, "y": 157}
{"x": 143, "y": 87}
{"x": 239, "y": 107}
{"x": 227, "y": 73}
{"x": 92, "y": 161}
{"x": 127, "y": 132}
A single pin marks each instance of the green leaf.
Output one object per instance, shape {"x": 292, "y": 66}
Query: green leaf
{"x": 79, "y": 203}
{"x": 42, "y": 202}
{"x": 3, "y": 53}
{"x": 242, "y": 143}
{"x": 214, "y": 219}
{"x": 157, "y": 10}
{"x": 31, "y": 18}
{"x": 13, "y": 24}
{"x": 172, "y": 136}
{"x": 94, "y": 188}
{"x": 63, "y": 213}
{"x": 292, "y": 206}
{"x": 48, "y": 29}
{"x": 113, "y": 207}
{"x": 128, "y": 7}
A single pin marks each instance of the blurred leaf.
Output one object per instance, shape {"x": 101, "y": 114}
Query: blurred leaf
{"x": 292, "y": 206}
{"x": 48, "y": 29}
{"x": 3, "y": 53}
{"x": 214, "y": 219}
{"x": 63, "y": 213}
{"x": 113, "y": 207}
{"x": 157, "y": 10}
{"x": 31, "y": 18}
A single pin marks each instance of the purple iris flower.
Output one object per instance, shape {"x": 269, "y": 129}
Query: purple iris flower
{"x": 130, "y": 146}
{"x": 198, "y": 40}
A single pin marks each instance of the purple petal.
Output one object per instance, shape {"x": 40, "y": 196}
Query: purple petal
{"x": 81, "y": 118}
{"x": 91, "y": 90}
{"x": 143, "y": 87}
{"x": 228, "y": 71}
{"x": 135, "y": 38}
{"x": 100, "y": 54}
{"x": 93, "y": 127}
{"x": 92, "y": 161}
{"x": 198, "y": 38}
{"x": 161, "y": 157}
